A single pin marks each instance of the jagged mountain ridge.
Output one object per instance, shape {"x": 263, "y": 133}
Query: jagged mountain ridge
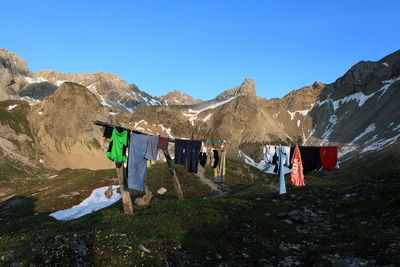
{"x": 357, "y": 111}
{"x": 16, "y": 80}
{"x": 358, "y": 108}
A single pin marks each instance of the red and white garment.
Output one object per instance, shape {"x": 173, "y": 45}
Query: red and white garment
{"x": 297, "y": 176}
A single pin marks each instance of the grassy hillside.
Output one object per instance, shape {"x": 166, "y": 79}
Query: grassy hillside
{"x": 16, "y": 117}
{"x": 343, "y": 218}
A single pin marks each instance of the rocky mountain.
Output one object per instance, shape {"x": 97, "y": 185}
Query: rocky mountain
{"x": 55, "y": 133}
{"x": 13, "y": 69}
{"x": 66, "y": 135}
{"x": 17, "y": 81}
{"x": 111, "y": 90}
{"x": 248, "y": 87}
{"x": 357, "y": 112}
{"x": 177, "y": 98}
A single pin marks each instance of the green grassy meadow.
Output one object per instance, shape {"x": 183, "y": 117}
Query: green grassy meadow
{"x": 340, "y": 218}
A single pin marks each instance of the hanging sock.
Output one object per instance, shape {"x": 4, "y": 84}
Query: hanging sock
{"x": 215, "y": 158}
{"x": 282, "y": 157}
{"x": 203, "y": 159}
{"x": 297, "y": 176}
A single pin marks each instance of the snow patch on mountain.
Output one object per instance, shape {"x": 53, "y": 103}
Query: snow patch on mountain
{"x": 192, "y": 114}
{"x": 139, "y": 122}
{"x": 387, "y": 83}
{"x": 329, "y": 127}
{"x": 396, "y": 128}
{"x": 380, "y": 144}
{"x": 36, "y": 80}
{"x": 167, "y": 130}
{"x": 360, "y": 97}
{"x": 370, "y": 128}
{"x": 58, "y": 83}
{"x": 207, "y": 117}
{"x": 92, "y": 88}
{"x": 302, "y": 112}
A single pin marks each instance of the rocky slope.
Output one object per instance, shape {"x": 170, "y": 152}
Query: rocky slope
{"x": 13, "y": 69}
{"x": 358, "y": 112}
{"x": 177, "y": 98}
{"x": 65, "y": 133}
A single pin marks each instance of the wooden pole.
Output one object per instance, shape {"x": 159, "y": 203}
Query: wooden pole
{"x": 175, "y": 180}
{"x": 122, "y": 179}
{"x": 126, "y": 197}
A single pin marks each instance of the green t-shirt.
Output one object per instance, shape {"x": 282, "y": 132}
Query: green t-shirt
{"x": 118, "y": 144}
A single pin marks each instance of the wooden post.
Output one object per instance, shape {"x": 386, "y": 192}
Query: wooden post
{"x": 175, "y": 180}
{"x": 126, "y": 197}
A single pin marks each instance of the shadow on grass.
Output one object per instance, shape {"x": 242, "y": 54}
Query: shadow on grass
{"x": 27, "y": 237}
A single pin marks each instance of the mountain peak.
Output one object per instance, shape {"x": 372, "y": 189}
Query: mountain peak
{"x": 248, "y": 87}
{"x": 177, "y": 98}
{"x": 11, "y": 66}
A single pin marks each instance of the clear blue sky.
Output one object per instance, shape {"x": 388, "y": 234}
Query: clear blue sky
{"x": 202, "y": 47}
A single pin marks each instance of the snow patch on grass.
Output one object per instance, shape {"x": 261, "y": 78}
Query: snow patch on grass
{"x": 12, "y": 107}
{"x": 96, "y": 201}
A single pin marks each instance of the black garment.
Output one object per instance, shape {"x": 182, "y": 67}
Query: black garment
{"x": 203, "y": 159}
{"x": 108, "y": 132}
{"x": 193, "y": 158}
{"x": 124, "y": 147}
{"x": 186, "y": 153}
{"x": 181, "y": 151}
{"x": 310, "y": 158}
{"x": 275, "y": 159}
{"x": 216, "y": 158}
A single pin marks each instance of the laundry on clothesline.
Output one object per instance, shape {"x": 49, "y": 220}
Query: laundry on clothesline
{"x": 301, "y": 159}
{"x": 191, "y": 153}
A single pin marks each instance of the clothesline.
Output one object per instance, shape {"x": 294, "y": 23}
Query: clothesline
{"x": 143, "y": 146}
{"x": 227, "y": 142}
{"x": 106, "y": 124}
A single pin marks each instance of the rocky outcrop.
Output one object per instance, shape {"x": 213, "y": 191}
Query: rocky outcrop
{"x": 177, "y": 98}
{"x": 12, "y": 70}
{"x": 37, "y": 90}
{"x": 248, "y": 87}
{"x": 13, "y": 64}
